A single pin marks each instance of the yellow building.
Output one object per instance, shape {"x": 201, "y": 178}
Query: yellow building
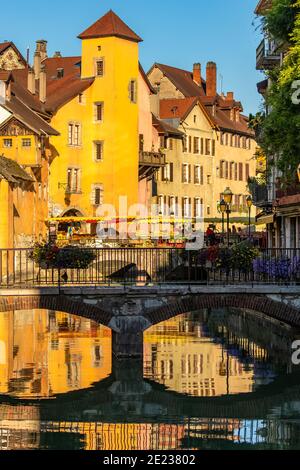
{"x": 217, "y": 149}
{"x": 93, "y": 100}
{"x": 24, "y": 164}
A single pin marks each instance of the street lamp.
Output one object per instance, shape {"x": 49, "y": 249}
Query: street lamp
{"x": 223, "y": 207}
{"x": 249, "y": 204}
{"x": 228, "y": 196}
{"x": 298, "y": 171}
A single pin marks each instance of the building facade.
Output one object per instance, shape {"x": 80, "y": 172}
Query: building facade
{"x": 217, "y": 147}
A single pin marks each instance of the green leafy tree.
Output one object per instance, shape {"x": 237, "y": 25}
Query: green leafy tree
{"x": 278, "y": 131}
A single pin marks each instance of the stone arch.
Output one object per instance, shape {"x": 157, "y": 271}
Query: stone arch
{"x": 72, "y": 212}
{"x": 56, "y": 302}
{"x": 258, "y": 303}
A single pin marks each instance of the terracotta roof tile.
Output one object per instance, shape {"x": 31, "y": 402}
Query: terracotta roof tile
{"x": 110, "y": 25}
{"x": 176, "y": 108}
{"x": 63, "y": 90}
{"x": 214, "y": 106}
{"x": 12, "y": 171}
{"x": 71, "y": 66}
{"x": 183, "y": 80}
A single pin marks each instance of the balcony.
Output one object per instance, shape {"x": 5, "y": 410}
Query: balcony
{"x": 259, "y": 194}
{"x": 267, "y": 55}
{"x": 292, "y": 190}
{"x": 149, "y": 163}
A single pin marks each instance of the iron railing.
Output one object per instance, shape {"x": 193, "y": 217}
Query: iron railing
{"x": 150, "y": 266}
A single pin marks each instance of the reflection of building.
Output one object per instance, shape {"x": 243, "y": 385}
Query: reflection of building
{"x": 193, "y": 363}
{"x": 19, "y": 427}
{"x": 45, "y": 353}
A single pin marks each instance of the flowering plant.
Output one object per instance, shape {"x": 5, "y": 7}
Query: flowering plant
{"x": 49, "y": 255}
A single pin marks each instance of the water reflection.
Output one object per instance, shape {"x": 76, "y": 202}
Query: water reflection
{"x": 45, "y": 353}
{"x": 207, "y": 355}
{"x": 210, "y": 380}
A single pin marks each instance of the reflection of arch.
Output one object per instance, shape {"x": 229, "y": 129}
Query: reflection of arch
{"x": 2, "y": 353}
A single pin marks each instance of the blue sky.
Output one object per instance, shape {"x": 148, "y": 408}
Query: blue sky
{"x": 177, "y": 33}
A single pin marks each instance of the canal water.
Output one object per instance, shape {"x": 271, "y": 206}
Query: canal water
{"x": 215, "y": 379}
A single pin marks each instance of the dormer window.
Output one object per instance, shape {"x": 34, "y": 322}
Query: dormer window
{"x": 60, "y": 73}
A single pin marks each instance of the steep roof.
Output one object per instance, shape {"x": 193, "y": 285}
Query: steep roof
{"x": 110, "y": 25}
{"x": 12, "y": 171}
{"x": 71, "y": 66}
{"x": 182, "y": 79}
{"x": 6, "y": 45}
{"x": 65, "y": 89}
{"x": 217, "y": 108}
{"x": 28, "y": 117}
{"x": 177, "y": 108}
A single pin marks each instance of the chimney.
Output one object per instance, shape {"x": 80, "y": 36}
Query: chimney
{"x": 31, "y": 81}
{"x": 43, "y": 84}
{"x": 41, "y": 47}
{"x": 57, "y": 55}
{"x": 211, "y": 79}
{"x": 37, "y": 65}
{"x": 197, "y": 73}
{"x": 230, "y": 96}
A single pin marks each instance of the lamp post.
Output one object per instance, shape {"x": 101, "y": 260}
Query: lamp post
{"x": 298, "y": 171}
{"x": 249, "y": 204}
{"x": 223, "y": 207}
{"x": 228, "y": 195}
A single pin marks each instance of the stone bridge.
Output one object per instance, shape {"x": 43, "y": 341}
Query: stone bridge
{"x": 129, "y": 311}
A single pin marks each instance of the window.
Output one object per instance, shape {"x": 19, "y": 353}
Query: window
{"x": 186, "y": 207}
{"x": 40, "y": 190}
{"x": 186, "y": 178}
{"x": 202, "y": 175}
{"x": 247, "y": 171}
{"x": 98, "y": 151}
{"x": 185, "y": 144}
{"x": 207, "y": 146}
{"x": 133, "y": 91}
{"x": 99, "y": 67}
{"x": 236, "y": 171}
{"x": 170, "y": 144}
{"x": 226, "y": 170}
{"x": 74, "y": 134}
{"x": 190, "y": 144}
{"x": 197, "y": 174}
{"x": 7, "y": 143}
{"x": 208, "y": 210}
{"x": 26, "y": 142}
{"x": 202, "y": 146}
{"x": 222, "y": 138}
{"x": 98, "y": 110}
{"x": 161, "y": 204}
{"x": 81, "y": 98}
{"x": 195, "y": 119}
{"x": 231, "y": 171}
{"x": 222, "y": 169}
{"x": 208, "y": 179}
{"x": 163, "y": 142}
{"x": 172, "y": 205}
{"x": 226, "y": 138}
{"x": 197, "y": 208}
{"x": 196, "y": 145}
{"x": 213, "y": 148}
{"x": 45, "y": 192}
{"x": 73, "y": 179}
{"x": 167, "y": 172}
{"x": 241, "y": 172}
{"x": 97, "y": 195}
{"x": 231, "y": 140}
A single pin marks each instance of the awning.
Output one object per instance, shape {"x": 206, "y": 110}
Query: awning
{"x": 265, "y": 219}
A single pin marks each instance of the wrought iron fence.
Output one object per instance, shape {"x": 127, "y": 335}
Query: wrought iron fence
{"x": 148, "y": 266}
